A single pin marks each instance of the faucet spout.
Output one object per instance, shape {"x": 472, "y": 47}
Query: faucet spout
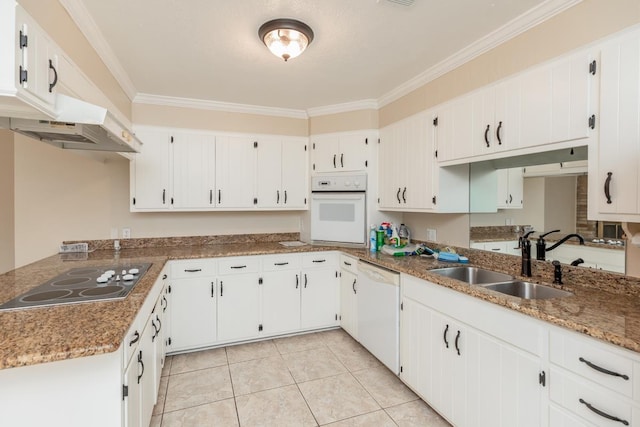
{"x": 564, "y": 239}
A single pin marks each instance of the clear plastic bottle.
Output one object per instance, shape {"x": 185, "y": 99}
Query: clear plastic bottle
{"x": 373, "y": 238}
{"x": 404, "y": 234}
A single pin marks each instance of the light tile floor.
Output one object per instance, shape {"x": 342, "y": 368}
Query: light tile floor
{"x": 322, "y": 378}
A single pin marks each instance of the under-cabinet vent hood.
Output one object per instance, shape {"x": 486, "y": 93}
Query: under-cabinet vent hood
{"x": 81, "y": 126}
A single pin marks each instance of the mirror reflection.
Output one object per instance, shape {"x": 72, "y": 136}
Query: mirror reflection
{"x": 544, "y": 192}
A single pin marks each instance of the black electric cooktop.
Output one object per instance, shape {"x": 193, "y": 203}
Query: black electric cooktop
{"x": 82, "y": 284}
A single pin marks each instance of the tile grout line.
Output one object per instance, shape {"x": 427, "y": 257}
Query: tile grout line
{"x": 233, "y": 390}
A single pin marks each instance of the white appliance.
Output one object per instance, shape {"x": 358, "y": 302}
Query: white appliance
{"x": 379, "y": 313}
{"x": 338, "y": 208}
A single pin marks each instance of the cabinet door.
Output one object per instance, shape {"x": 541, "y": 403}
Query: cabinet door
{"x": 269, "y": 165}
{"x": 295, "y": 181}
{"x": 150, "y": 169}
{"x": 484, "y": 140}
{"x": 416, "y": 348}
{"x": 507, "y": 115}
{"x": 238, "y": 307}
{"x": 193, "y": 171}
{"x": 324, "y": 152}
{"x": 193, "y": 313}
{"x": 132, "y": 400}
{"x": 535, "y": 107}
{"x": 235, "y": 172}
{"x": 146, "y": 355}
{"x": 510, "y": 188}
{"x": 353, "y": 155}
{"x": 619, "y": 142}
{"x": 348, "y": 303}
{"x": 389, "y": 171}
{"x": 280, "y": 302}
{"x": 320, "y": 301}
{"x": 418, "y": 155}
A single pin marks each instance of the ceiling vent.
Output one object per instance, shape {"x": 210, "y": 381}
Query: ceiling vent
{"x": 402, "y": 2}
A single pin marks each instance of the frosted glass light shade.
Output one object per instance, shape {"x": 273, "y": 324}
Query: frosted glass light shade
{"x": 286, "y": 38}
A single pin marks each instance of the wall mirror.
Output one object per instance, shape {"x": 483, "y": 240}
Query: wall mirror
{"x": 546, "y": 191}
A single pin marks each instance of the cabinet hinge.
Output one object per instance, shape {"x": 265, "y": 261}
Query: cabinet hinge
{"x": 255, "y": 200}
{"x": 336, "y": 317}
{"x": 134, "y": 201}
{"x": 401, "y": 306}
{"x": 23, "y": 41}
{"x": 435, "y": 121}
{"x": 314, "y": 145}
{"x": 314, "y": 166}
{"x": 436, "y": 154}
{"x": 592, "y": 67}
{"x": 366, "y": 141}
{"x": 260, "y": 281}
{"x": 433, "y": 200}
{"x": 366, "y": 163}
{"x": 125, "y": 391}
{"x": 255, "y": 144}
{"x": 378, "y": 140}
{"x": 169, "y": 341}
{"x": 172, "y": 139}
{"x": 260, "y": 328}
{"x": 22, "y": 75}
{"x": 400, "y": 369}
{"x": 169, "y": 288}
{"x": 592, "y": 121}
{"x": 305, "y": 147}
{"x": 542, "y": 378}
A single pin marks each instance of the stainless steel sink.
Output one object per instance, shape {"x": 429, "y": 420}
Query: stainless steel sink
{"x": 472, "y": 275}
{"x": 527, "y": 290}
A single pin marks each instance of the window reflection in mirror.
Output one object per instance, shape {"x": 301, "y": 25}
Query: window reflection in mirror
{"x": 547, "y": 192}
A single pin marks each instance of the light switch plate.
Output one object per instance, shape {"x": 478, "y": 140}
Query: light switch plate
{"x": 431, "y": 234}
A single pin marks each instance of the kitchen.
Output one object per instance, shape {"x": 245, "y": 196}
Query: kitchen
{"x": 36, "y": 174}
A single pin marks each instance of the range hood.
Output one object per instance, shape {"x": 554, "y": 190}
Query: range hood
{"x": 79, "y": 125}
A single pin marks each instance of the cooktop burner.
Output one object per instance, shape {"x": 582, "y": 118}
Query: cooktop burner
{"x": 82, "y": 285}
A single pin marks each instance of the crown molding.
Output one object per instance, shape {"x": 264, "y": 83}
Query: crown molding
{"x": 201, "y": 104}
{"x": 365, "y": 104}
{"x": 87, "y": 25}
{"x": 513, "y": 28}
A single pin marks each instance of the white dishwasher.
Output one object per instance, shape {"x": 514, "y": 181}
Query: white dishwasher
{"x": 378, "y": 291}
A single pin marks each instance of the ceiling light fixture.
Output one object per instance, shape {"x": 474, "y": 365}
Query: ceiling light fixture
{"x": 286, "y": 38}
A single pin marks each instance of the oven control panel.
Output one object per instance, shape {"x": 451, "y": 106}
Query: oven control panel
{"x": 345, "y": 182}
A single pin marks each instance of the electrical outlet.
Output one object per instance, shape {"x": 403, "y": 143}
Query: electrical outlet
{"x": 431, "y": 234}
{"x": 126, "y": 233}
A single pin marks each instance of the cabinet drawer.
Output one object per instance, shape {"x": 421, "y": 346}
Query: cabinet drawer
{"x": 594, "y": 361}
{"x": 558, "y": 417}
{"x": 349, "y": 264}
{"x": 574, "y": 394}
{"x": 193, "y": 268}
{"x": 281, "y": 262}
{"x": 238, "y": 265}
{"x": 320, "y": 260}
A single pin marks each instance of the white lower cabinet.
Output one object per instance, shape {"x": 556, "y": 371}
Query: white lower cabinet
{"x": 349, "y": 295}
{"x": 281, "y": 280}
{"x": 468, "y": 374}
{"x": 193, "y": 289}
{"x": 320, "y": 301}
{"x": 238, "y": 298}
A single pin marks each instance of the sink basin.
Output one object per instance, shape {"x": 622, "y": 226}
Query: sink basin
{"x": 472, "y": 275}
{"x": 527, "y": 290}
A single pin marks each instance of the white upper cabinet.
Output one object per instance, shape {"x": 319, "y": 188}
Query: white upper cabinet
{"x": 235, "y": 171}
{"x": 510, "y": 188}
{"x": 193, "y": 171}
{"x": 151, "y": 172}
{"x": 455, "y": 129}
{"x": 29, "y": 68}
{"x": 535, "y": 107}
{"x": 614, "y": 187}
{"x": 340, "y": 152}
{"x": 282, "y": 174}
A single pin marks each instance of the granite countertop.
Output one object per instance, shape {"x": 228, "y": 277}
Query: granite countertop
{"x": 38, "y": 335}
{"x": 506, "y": 237}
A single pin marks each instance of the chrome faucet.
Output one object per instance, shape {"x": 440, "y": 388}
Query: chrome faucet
{"x": 541, "y": 245}
{"x": 525, "y": 246}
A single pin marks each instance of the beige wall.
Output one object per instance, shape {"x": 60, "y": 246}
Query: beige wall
{"x": 157, "y": 115}
{"x": 344, "y": 122}
{"x": 7, "y": 223}
{"x": 451, "y": 229}
{"x": 579, "y": 25}
{"x": 58, "y": 24}
{"x": 560, "y": 204}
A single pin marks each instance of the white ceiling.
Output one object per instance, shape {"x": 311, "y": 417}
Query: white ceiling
{"x": 363, "y": 49}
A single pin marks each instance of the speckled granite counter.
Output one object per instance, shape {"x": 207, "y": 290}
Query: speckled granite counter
{"x": 38, "y": 335}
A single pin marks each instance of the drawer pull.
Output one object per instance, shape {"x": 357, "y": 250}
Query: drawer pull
{"x": 603, "y": 414}
{"x": 193, "y": 270}
{"x": 347, "y": 263}
{"x": 238, "y": 266}
{"x": 603, "y": 370}
{"x": 319, "y": 260}
{"x": 280, "y": 263}
{"x": 135, "y": 340}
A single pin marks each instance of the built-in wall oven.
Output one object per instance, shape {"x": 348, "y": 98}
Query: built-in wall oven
{"x": 338, "y": 208}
